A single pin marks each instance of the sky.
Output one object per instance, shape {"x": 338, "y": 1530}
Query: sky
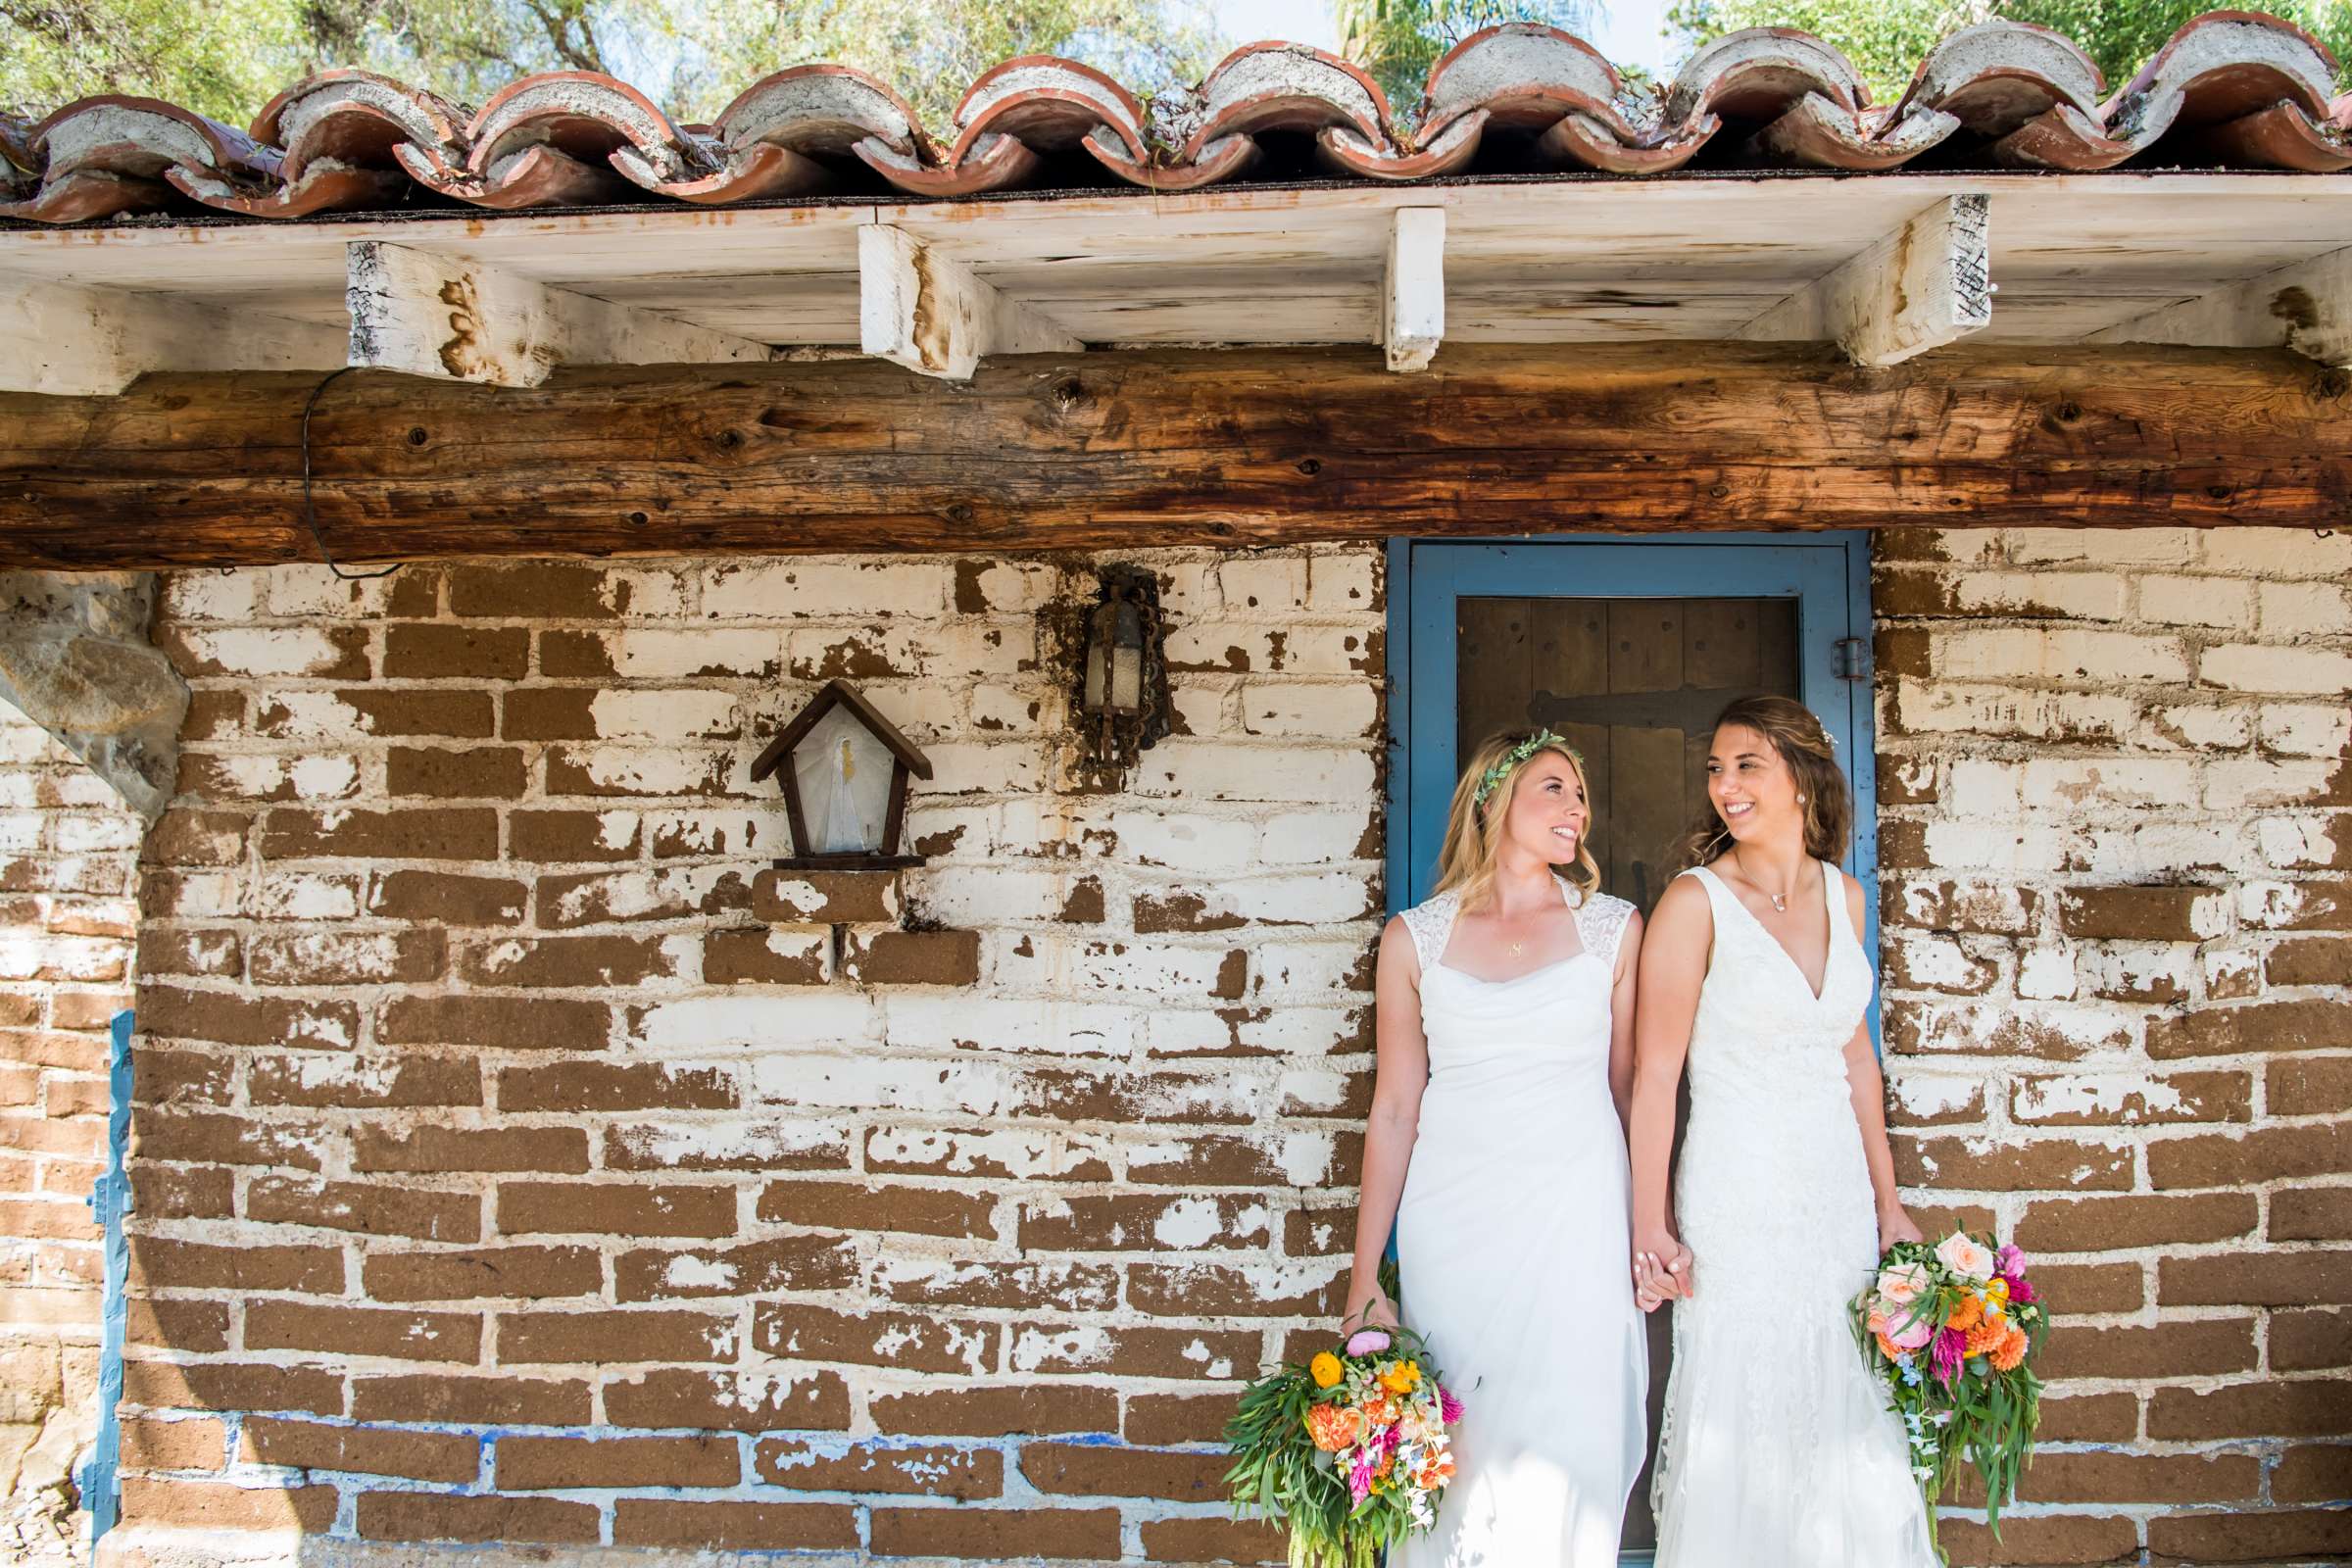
{"x": 1632, "y": 31}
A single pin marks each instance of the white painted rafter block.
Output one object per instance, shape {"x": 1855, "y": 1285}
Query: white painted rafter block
{"x": 426, "y": 314}
{"x": 935, "y": 316}
{"x": 1412, "y": 322}
{"x": 68, "y": 340}
{"x": 2306, "y": 307}
{"x": 1926, "y": 284}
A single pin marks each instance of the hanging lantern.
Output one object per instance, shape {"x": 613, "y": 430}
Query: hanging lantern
{"x": 1122, "y": 677}
{"x": 844, "y": 770}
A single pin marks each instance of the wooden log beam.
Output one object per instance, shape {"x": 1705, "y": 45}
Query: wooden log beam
{"x": 67, "y": 339}
{"x": 1412, "y": 322}
{"x": 1926, "y": 284}
{"x": 2305, "y": 308}
{"x": 424, "y": 313}
{"x": 1129, "y": 450}
{"x": 935, "y": 316}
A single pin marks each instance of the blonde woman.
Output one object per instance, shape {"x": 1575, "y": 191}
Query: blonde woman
{"x": 1776, "y": 1450}
{"x": 1497, "y": 1145}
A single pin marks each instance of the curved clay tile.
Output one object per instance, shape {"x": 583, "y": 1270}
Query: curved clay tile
{"x": 559, "y": 138}
{"x": 1757, "y": 75}
{"x": 20, "y": 170}
{"x": 1220, "y": 160}
{"x": 991, "y": 163}
{"x": 1449, "y": 152}
{"x": 1995, "y": 76}
{"x": 1520, "y": 73}
{"x": 338, "y": 132}
{"x": 111, "y": 154}
{"x": 1049, "y": 104}
{"x": 1820, "y": 134}
{"x": 785, "y": 134}
{"x": 2224, "y": 70}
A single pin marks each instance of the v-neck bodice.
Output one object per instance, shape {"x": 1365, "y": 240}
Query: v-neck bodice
{"x": 1760, "y": 1022}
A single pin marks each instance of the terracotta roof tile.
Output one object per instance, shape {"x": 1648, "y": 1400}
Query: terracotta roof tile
{"x": 2230, "y": 88}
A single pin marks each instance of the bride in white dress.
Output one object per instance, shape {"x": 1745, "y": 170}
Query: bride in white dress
{"x": 1496, "y": 1144}
{"x": 1778, "y": 1451}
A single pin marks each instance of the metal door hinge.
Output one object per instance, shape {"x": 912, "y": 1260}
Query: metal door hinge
{"x": 1851, "y": 658}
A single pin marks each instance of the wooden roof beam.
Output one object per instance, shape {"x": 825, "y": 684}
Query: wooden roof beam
{"x": 426, "y": 314}
{"x": 76, "y": 341}
{"x": 1413, "y": 321}
{"x": 1926, "y": 284}
{"x": 935, "y": 316}
{"x": 2306, "y": 307}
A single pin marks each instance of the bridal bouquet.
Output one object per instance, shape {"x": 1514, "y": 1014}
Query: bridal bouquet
{"x": 1953, "y": 1330}
{"x": 1350, "y": 1451}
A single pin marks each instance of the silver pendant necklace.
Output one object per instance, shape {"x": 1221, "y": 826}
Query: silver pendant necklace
{"x": 1779, "y": 901}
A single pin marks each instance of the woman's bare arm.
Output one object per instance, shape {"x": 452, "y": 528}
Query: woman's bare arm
{"x": 1673, "y": 967}
{"x": 1399, "y": 1076}
{"x": 1622, "y": 996}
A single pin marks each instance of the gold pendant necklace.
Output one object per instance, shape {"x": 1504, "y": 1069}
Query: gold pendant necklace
{"x": 1517, "y": 948}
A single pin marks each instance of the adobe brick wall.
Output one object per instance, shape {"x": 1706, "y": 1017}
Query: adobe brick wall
{"x": 516, "y": 1161}
{"x": 478, "y": 1053}
{"x": 68, "y": 850}
{"x": 2116, "y": 830}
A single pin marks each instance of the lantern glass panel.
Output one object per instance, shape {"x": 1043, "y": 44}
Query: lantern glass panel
{"x": 843, "y": 771}
{"x": 1096, "y": 683}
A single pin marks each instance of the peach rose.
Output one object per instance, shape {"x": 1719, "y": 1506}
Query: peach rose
{"x": 1967, "y": 1257}
{"x": 1914, "y": 1334}
{"x": 1902, "y": 1284}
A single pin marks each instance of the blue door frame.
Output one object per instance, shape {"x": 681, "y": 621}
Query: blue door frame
{"x": 1826, "y": 574}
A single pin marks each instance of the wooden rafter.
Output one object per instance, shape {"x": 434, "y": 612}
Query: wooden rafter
{"x": 2305, "y": 308}
{"x": 67, "y": 339}
{"x": 935, "y": 316}
{"x": 1413, "y": 321}
{"x": 1926, "y": 284}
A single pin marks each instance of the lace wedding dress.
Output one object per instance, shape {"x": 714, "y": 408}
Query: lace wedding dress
{"x": 1778, "y": 1451}
{"x": 1512, "y": 1237}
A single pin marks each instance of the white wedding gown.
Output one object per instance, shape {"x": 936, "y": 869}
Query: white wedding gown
{"x": 1512, "y": 1239}
{"x": 1778, "y": 1451}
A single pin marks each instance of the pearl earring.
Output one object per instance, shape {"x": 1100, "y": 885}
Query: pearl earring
{"x": 1800, "y": 800}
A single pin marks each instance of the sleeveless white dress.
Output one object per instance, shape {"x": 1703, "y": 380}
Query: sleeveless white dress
{"x": 1778, "y": 1451}
{"x": 1511, "y": 1241}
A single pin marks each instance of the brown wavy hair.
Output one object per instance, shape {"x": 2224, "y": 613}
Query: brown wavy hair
{"x": 1474, "y": 832}
{"x": 1796, "y": 733}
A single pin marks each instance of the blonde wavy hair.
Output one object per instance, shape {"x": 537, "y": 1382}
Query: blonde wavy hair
{"x": 1474, "y": 831}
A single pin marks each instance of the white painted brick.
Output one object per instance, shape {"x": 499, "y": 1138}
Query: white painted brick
{"x": 2057, "y": 653}
{"x": 22, "y": 831}
{"x": 2106, "y": 547}
{"x": 1342, "y": 582}
{"x": 1261, "y": 585}
{"x": 279, "y": 895}
{"x": 663, "y": 771}
{"x": 2273, "y": 906}
{"x": 2196, "y": 601}
{"x": 1987, "y": 787}
{"x": 2234, "y": 783}
{"x": 2156, "y": 851}
{"x": 2303, "y": 729}
{"x": 983, "y": 767}
{"x": 260, "y": 651}
{"x": 1016, "y": 587}
{"x": 992, "y": 894}
{"x": 2266, "y": 667}
{"x": 2146, "y": 966}
{"x": 308, "y": 590}
{"x": 1922, "y": 1094}
{"x": 1205, "y": 770}
{"x": 2076, "y": 785}
{"x": 1185, "y": 1032}
{"x": 210, "y": 595}
{"x": 663, "y": 712}
{"x": 2198, "y": 727}
{"x": 802, "y": 589}
{"x": 2229, "y": 970}
{"x": 2079, "y": 594}
{"x": 1009, "y": 1024}
{"x": 1293, "y": 708}
{"x": 1991, "y": 709}
{"x": 1204, "y": 705}
{"x": 1306, "y": 968}
{"x": 653, "y": 654}
{"x": 2047, "y": 973}
{"x": 1188, "y": 590}
{"x": 2305, "y": 610}
{"x": 97, "y": 832}
{"x": 1239, "y": 648}
{"x": 1025, "y": 1153}
{"x": 204, "y": 895}
{"x": 761, "y": 830}
{"x": 1995, "y": 847}
{"x": 1315, "y": 838}
{"x": 285, "y": 775}
{"x": 2280, "y": 551}
{"x": 1303, "y": 900}
{"x": 800, "y": 1016}
{"x": 2296, "y": 841}
{"x": 1191, "y": 841}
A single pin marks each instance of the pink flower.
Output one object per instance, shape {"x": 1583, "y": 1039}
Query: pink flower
{"x": 1967, "y": 1257}
{"x": 1913, "y": 1330}
{"x": 1951, "y": 1349}
{"x": 2021, "y": 1293}
{"x": 1902, "y": 1284}
{"x": 2010, "y": 1261}
{"x": 1368, "y": 1342}
{"x": 1359, "y": 1478}
{"x": 1448, "y": 1407}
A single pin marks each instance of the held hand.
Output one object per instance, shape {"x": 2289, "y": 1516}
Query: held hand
{"x": 1369, "y": 1307}
{"x": 1663, "y": 1265}
{"x": 1894, "y": 1226}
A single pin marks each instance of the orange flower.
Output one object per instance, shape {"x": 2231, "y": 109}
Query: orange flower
{"x": 1965, "y": 1315}
{"x": 2010, "y": 1352}
{"x": 1888, "y": 1347}
{"x": 1335, "y": 1427}
{"x": 1985, "y": 1337}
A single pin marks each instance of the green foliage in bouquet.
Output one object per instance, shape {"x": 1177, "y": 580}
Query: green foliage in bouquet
{"x": 1951, "y": 1331}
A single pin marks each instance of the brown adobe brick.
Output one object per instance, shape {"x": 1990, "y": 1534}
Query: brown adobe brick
{"x": 878, "y": 1206}
{"x": 1187, "y": 1290}
{"x": 2089, "y": 1418}
{"x": 2314, "y": 1085}
{"x": 1153, "y": 1353}
{"x": 567, "y": 835}
{"x": 180, "y": 1192}
{"x": 437, "y": 1397}
{"x": 2250, "y": 1535}
{"x": 589, "y": 1086}
{"x": 344, "y": 1329}
{"x": 419, "y": 833}
{"x": 176, "y": 1325}
{"x": 2041, "y": 1539}
{"x": 198, "y": 952}
{"x": 2308, "y": 961}
{"x": 620, "y": 1208}
{"x": 1160, "y": 1419}
{"x": 570, "y": 655}
{"x": 603, "y": 897}
{"x": 827, "y": 898}
{"x": 1049, "y": 1282}
{"x": 963, "y": 1474}
{"x": 2168, "y": 1097}
{"x": 485, "y": 1272}
{"x": 566, "y": 961}
{"x": 2133, "y": 914}
{"x": 701, "y": 1527}
{"x": 549, "y": 712}
{"x": 589, "y": 1337}
{"x": 157, "y": 1261}
{"x": 547, "y": 1464}
{"x": 505, "y": 1023}
{"x": 745, "y": 955}
{"x": 755, "y": 1268}
{"x": 537, "y": 590}
{"x": 2313, "y": 1474}
{"x": 210, "y": 1505}
{"x": 2113, "y": 1224}
{"x": 231, "y": 1385}
{"x": 996, "y": 1535}
{"x": 406, "y": 1081}
{"x": 1132, "y": 1221}
{"x": 475, "y": 772}
{"x": 393, "y": 712}
{"x": 997, "y": 1411}
{"x": 2164, "y": 1350}
{"x": 2267, "y": 1153}
{"x": 445, "y": 898}
{"x": 2300, "y": 1407}
{"x": 912, "y": 958}
{"x": 638, "y": 1145}
{"x": 191, "y": 836}
{"x": 366, "y": 1450}
{"x": 168, "y": 1013}
{"x": 214, "y": 713}
{"x": 729, "y": 1402}
{"x": 1213, "y": 1539}
{"x": 2311, "y": 1214}
{"x": 910, "y": 1342}
{"x": 2036, "y": 1164}
{"x": 2091, "y": 1287}
{"x": 198, "y": 1442}
{"x": 1090, "y": 1470}
{"x": 456, "y": 652}
{"x": 371, "y": 1209}
{"x": 2312, "y": 1340}
{"x": 2311, "y": 1024}
{"x": 563, "y": 1149}
{"x": 2256, "y": 1279}
{"x": 179, "y": 1078}
{"x": 444, "y": 1516}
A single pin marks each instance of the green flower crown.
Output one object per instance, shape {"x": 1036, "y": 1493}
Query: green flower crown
{"x": 1493, "y": 777}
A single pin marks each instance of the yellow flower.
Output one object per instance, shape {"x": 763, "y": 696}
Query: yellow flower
{"x": 1402, "y": 1378}
{"x": 1998, "y": 1290}
{"x": 1326, "y": 1369}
